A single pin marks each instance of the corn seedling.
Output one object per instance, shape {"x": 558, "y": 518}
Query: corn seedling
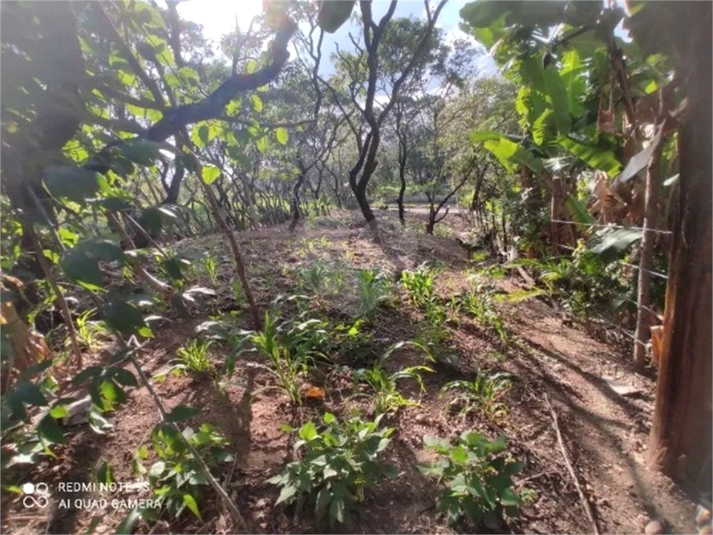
{"x": 481, "y": 394}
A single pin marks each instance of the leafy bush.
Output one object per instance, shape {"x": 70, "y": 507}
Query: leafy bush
{"x": 176, "y": 477}
{"x": 336, "y": 466}
{"x": 477, "y": 474}
{"x": 482, "y": 393}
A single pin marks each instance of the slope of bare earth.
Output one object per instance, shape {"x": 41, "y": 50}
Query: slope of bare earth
{"x": 556, "y": 367}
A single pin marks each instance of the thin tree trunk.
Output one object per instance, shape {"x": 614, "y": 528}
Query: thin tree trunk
{"x": 646, "y": 263}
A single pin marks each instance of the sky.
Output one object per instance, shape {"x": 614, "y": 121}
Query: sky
{"x": 219, "y": 17}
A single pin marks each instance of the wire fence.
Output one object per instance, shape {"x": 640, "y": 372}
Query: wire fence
{"x": 642, "y": 338}
{"x": 601, "y": 225}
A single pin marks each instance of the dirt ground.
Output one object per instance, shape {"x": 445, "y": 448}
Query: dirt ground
{"x": 557, "y": 368}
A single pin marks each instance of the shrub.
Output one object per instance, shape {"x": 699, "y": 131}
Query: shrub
{"x": 477, "y": 477}
{"x": 336, "y": 466}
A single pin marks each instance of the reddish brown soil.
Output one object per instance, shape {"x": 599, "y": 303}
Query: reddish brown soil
{"x": 605, "y": 435}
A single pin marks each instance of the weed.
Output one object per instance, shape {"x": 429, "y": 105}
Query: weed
{"x": 419, "y": 285}
{"x": 477, "y": 474}
{"x": 88, "y": 331}
{"x": 194, "y": 357}
{"x": 373, "y": 288}
{"x": 386, "y": 395}
{"x": 480, "y": 304}
{"x": 482, "y": 393}
{"x": 336, "y": 466}
{"x": 290, "y": 346}
{"x": 210, "y": 265}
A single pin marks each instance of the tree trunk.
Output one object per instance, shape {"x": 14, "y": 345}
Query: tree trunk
{"x": 681, "y": 431}
{"x": 644, "y": 317}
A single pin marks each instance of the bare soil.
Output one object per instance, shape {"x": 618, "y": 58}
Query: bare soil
{"x": 554, "y": 362}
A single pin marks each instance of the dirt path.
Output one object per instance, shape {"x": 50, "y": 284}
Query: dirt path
{"x": 605, "y": 433}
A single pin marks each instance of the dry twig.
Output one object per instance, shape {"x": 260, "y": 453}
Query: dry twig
{"x": 570, "y": 468}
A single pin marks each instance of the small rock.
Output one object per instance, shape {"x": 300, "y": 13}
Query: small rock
{"x": 654, "y": 528}
{"x": 703, "y": 516}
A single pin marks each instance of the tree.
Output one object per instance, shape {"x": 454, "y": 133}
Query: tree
{"x": 681, "y": 431}
{"x": 367, "y": 77}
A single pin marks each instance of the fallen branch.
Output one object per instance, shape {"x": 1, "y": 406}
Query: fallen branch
{"x": 232, "y": 508}
{"x": 570, "y": 468}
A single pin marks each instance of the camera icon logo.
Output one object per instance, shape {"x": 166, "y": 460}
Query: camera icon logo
{"x": 35, "y": 495}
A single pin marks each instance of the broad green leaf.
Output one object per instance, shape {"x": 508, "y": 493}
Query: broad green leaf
{"x": 80, "y": 262}
{"x": 593, "y": 155}
{"x": 558, "y": 99}
{"x": 578, "y": 211}
{"x": 123, "y": 317}
{"x": 572, "y": 74}
{"x": 141, "y": 151}
{"x": 539, "y": 127}
{"x": 286, "y": 494}
{"x": 74, "y": 183}
{"x": 49, "y": 430}
{"x": 256, "y": 101}
{"x": 333, "y": 13}
{"x": 190, "y": 502}
{"x": 181, "y": 413}
{"x": 511, "y": 155}
{"x": 210, "y": 174}
{"x": 308, "y": 431}
{"x": 282, "y": 135}
{"x": 616, "y": 242}
{"x": 59, "y": 411}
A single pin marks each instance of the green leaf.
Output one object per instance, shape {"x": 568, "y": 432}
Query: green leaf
{"x": 256, "y": 101}
{"x": 593, "y": 155}
{"x": 49, "y": 429}
{"x": 286, "y": 494}
{"x": 141, "y": 151}
{"x": 333, "y": 13}
{"x": 282, "y": 135}
{"x": 74, "y": 183}
{"x": 210, "y": 174}
{"x": 579, "y": 211}
{"x": 308, "y": 431}
{"x": 190, "y": 502}
{"x": 126, "y": 526}
{"x": 616, "y": 242}
{"x": 558, "y": 98}
{"x": 123, "y": 377}
{"x": 123, "y": 317}
{"x": 329, "y": 418}
{"x": 459, "y": 455}
{"x": 59, "y": 411}
{"x": 181, "y": 413}
{"x": 539, "y": 127}
{"x": 81, "y": 262}
{"x": 511, "y": 155}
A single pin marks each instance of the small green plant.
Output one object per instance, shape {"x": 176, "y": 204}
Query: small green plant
{"x": 477, "y": 477}
{"x": 89, "y": 331}
{"x": 373, "y": 288}
{"x": 386, "y": 395}
{"x": 480, "y": 304}
{"x": 419, "y": 285}
{"x": 482, "y": 393}
{"x": 335, "y": 466}
{"x": 194, "y": 356}
{"x": 176, "y": 477}
{"x": 290, "y": 346}
{"x": 210, "y": 265}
